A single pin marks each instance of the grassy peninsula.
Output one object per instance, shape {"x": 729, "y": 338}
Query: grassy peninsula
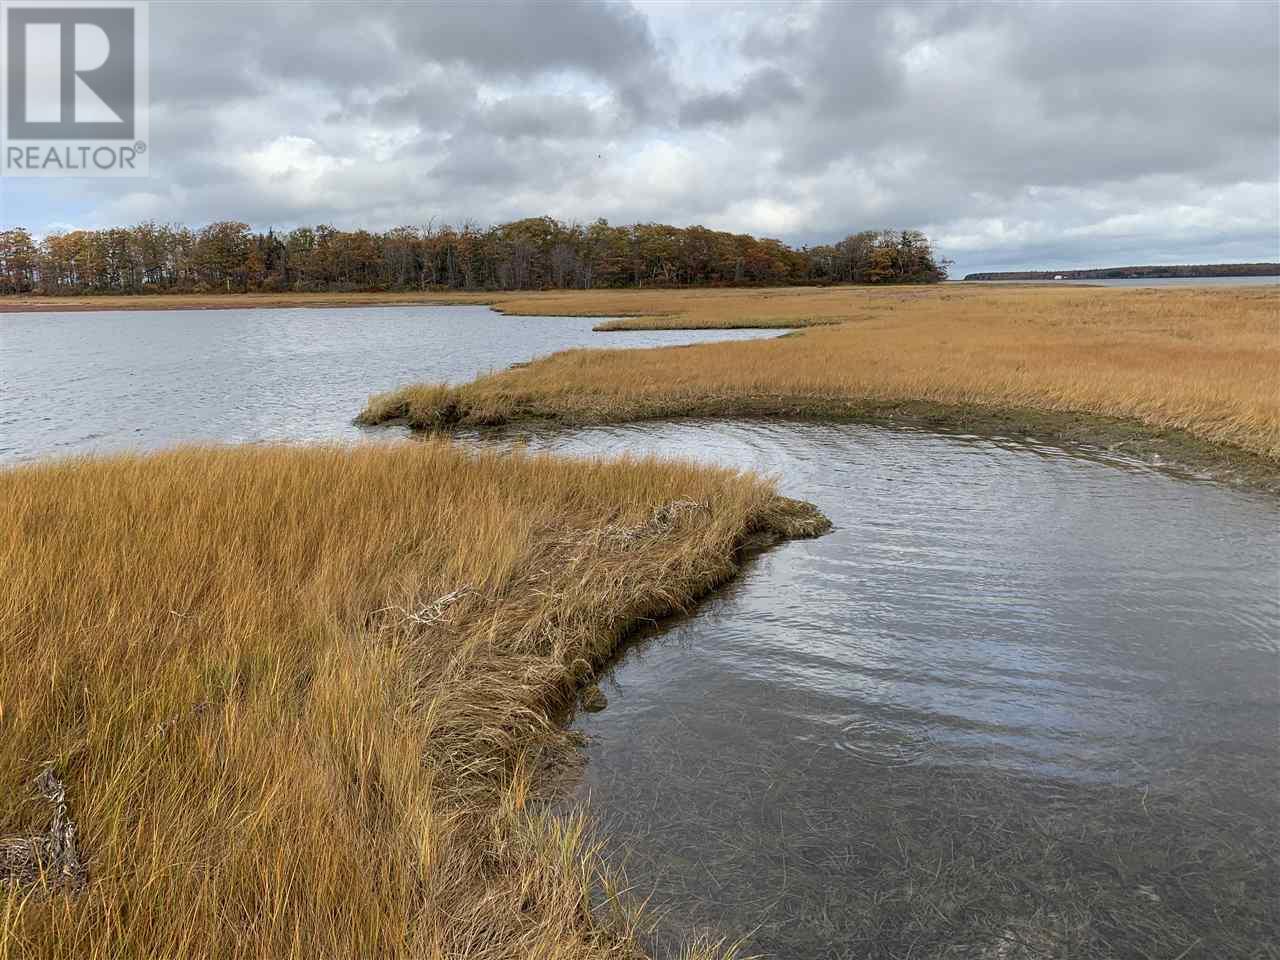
{"x": 1189, "y": 374}
{"x": 273, "y": 702}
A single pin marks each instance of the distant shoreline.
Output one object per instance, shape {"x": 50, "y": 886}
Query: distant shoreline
{"x": 34, "y": 303}
{"x": 1204, "y": 271}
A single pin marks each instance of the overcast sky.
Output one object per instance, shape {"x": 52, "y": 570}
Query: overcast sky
{"x": 1017, "y": 136}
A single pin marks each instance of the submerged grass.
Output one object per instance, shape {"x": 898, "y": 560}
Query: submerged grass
{"x": 1203, "y": 363}
{"x": 303, "y": 702}
{"x": 948, "y": 860}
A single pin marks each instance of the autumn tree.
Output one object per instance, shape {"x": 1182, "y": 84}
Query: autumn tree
{"x": 528, "y": 254}
{"x": 17, "y": 261}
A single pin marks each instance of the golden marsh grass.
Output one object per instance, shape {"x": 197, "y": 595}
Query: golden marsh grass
{"x": 304, "y": 700}
{"x": 1205, "y": 361}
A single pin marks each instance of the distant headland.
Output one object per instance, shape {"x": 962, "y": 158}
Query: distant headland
{"x": 1138, "y": 273}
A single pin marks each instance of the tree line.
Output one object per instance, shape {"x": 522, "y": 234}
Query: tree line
{"x": 531, "y": 254}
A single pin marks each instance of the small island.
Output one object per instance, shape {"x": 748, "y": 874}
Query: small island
{"x": 1198, "y": 270}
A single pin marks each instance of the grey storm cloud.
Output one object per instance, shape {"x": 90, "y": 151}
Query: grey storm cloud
{"x": 543, "y": 117}
{"x": 1015, "y": 134}
{"x": 761, "y": 90}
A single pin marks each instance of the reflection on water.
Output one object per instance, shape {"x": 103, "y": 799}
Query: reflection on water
{"x": 110, "y": 380}
{"x": 1019, "y": 700}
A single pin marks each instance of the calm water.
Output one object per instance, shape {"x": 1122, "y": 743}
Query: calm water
{"x": 82, "y": 382}
{"x": 1018, "y": 692}
{"x": 1022, "y": 702}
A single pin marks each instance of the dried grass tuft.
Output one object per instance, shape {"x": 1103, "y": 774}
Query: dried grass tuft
{"x": 49, "y": 860}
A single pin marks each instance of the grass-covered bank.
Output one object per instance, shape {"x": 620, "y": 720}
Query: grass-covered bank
{"x": 301, "y": 702}
{"x": 1192, "y": 375}
{"x": 659, "y": 308}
